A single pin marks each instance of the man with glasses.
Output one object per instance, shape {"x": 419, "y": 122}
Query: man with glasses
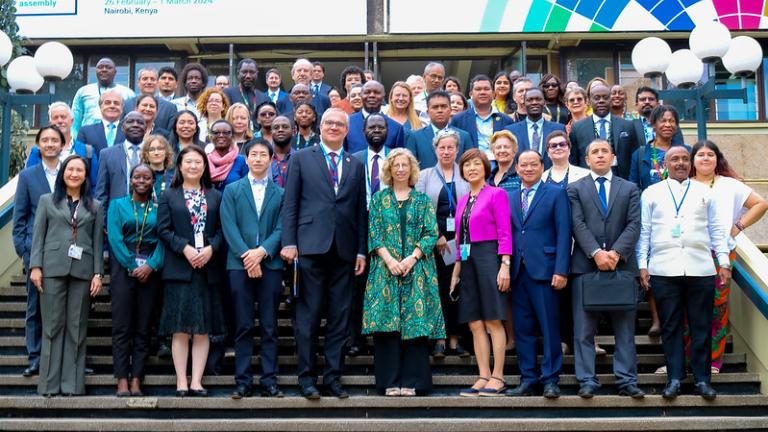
{"x": 646, "y": 99}
{"x": 532, "y": 132}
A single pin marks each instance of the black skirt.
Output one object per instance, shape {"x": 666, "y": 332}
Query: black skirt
{"x": 192, "y": 307}
{"x": 479, "y": 295}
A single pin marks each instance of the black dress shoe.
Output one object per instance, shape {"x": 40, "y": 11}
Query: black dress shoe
{"x": 671, "y": 390}
{"x": 197, "y": 393}
{"x": 705, "y": 390}
{"x": 354, "y": 351}
{"x": 551, "y": 391}
{"x": 31, "y": 370}
{"x": 271, "y": 390}
{"x": 123, "y": 394}
{"x": 310, "y": 392}
{"x": 89, "y": 371}
{"x": 182, "y": 393}
{"x": 524, "y": 389}
{"x": 335, "y": 389}
{"x": 242, "y": 391}
{"x": 587, "y": 391}
{"x": 632, "y": 391}
{"x": 163, "y": 351}
{"x": 460, "y": 351}
{"x": 439, "y": 351}
{"x": 137, "y": 393}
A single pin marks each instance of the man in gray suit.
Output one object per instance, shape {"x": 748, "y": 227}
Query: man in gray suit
{"x": 605, "y": 210}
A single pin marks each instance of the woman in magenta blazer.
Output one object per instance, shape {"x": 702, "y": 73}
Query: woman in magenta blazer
{"x": 483, "y": 248}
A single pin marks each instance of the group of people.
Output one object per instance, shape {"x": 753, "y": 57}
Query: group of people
{"x": 523, "y": 211}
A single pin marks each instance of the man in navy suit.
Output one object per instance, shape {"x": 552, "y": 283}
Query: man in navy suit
{"x": 246, "y": 92}
{"x": 33, "y": 182}
{"x": 532, "y": 132}
{"x": 317, "y": 86}
{"x": 166, "y": 111}
{"x": 325, "y": 227}
{"x": 373, "y": 99}
{"x": 479, "y": 121}
{"x": 275, "y": 93}
{"x": 420, "y": 142}
{"x": 254, "y": 267}
{"x": 107, "y": 132}
{"x": 299, "y": 94}
{"x": 115, "y": 162}
{"x": 541, "y": 235}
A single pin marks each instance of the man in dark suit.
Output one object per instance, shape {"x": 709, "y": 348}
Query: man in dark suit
{"x": 147, "y": 85}
{"x": 605, "y": 210}
{"x": 533, "y": 131}
{"x": 115, "y": 162}
{"x": 107, "y": 132}
{"x": 326, "y": 229}
{"x": 274, "y": 92}
{"x": 33, "y": 183}
{"x": 601, "y": 124}
{"x": 301, "y": 73}
{"x": 254, "y": 267}
{"x": 246, "y": 92}
{"x": 481, "y": 114}
{"x": 373, "y": 99}
{"x": 420, "y": 142}
{"x": 299, "y": 94}
{"x": 541, "y": 232}
{"x": 317, "y": 86}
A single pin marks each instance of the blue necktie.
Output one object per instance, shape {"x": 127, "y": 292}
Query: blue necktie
{"x": 603, "y": 130}
{"x": 524, "y": 200}
{"x": 262, "y": 182}
{"x": 273, "y": 96}
{"x": 536, "y": 138}
{"x": 601, "y": 193}
{"x": 110, "y": 135}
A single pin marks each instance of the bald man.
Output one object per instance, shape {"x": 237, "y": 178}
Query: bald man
{"x": 373, "y": 99}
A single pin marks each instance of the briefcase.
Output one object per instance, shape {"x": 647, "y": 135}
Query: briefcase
{"x": 609, "y": 291}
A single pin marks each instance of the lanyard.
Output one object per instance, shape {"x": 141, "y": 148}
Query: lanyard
{"x": 368, "y": 171}
{"x": 143, "y": 223}
{"x": 449, "y": 188}
{"x": 73, "y": 222}
{"x": 660, "y": 169}
{"x": 555, "y": 119}
{"x": 334, "y": 169}
{"x": 282, "y": 169}
{"x": 682, "y": 200}
{"x": 247, "y": 100}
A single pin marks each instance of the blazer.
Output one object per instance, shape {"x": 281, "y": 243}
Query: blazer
{"x": 314, "y": 217}
{"x": 324, "y": 88}
{"x": 466, "y": 122}
{"x": 240, "y": 231}
{"x": 31, "y": 186}
{"x": 618, "y": 230}
{"x": 112, "y": 178}
{"x": 281, "y": 95}
{"x": 79, "y": 149}
{"x": 677, "y": 138}
{"x": 95, "y": 135}
{"x": 356, "y": 141}
{"x": 320, "y": 102}
{"x": 430, "y": 183}
{"x": 623, "y": 140}
{"x": 235, "y": 95}
{"x": 520, "y": 130}
{"x": 53, "y": 235}
{"x": 174, "y": 227}
{"x": 419, "y": 142}
{"x": 543, "y": 237}
{"x": 489, "y": 219}
{"x": 165, "y": 116}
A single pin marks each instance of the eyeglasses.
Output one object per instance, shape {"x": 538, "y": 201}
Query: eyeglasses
{"x": 336, "y": 124}
{"x": 267, "y": 114}
{"x": 646, "y": 99}
{"x": 550, "y": 85}
{"x": 225, "y": 133}
{"x": 576, "y": 99}
{"x": 156, "y": 150}
{"x": 555, "y": 144}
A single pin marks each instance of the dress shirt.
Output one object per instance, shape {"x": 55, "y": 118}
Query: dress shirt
{"x": 65, "y": 153}
{"x": 368, "y": 170}
{"x": 186, "y": 103}
{"x": 484, "y": 132}
{"x": 532, "y": 192}
{"x": 50, "y": 174}
{"x": 608, "y": 179}
{"x": 106, "y": 130}
{"x": 259, "y": 188}
{"x": 339, "y": 163}
{"x": 85, "y": 105}
{"x": 273, "y": 94}
{"x": 596, "y": 119}
{"x": 168, "y": 98}
{"x": 650, "y": 134}
{"x": 128, "y": 146}
{"x": 699, "y": 225}
{"x": 540, "y": 125}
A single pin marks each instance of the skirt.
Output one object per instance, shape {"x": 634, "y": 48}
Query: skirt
{"x": 192, "y": 307}
{"x": 479, "y": 295}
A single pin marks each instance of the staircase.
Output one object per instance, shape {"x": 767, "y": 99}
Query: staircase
{"x": 739, "y": 405}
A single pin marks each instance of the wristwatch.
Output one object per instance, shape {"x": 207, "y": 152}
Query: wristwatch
{"x": 506, "y": 262}
{"x": 98, "y": 275}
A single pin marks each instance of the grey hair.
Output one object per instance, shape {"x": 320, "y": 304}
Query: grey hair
{"x": 60, "y": 104}
{"x": 430, "y": 65}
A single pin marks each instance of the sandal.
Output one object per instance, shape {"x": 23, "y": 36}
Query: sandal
{"x": 661, "y": 371}
{"x": 492, "y": 392}
{"x": 715, "y": 370}
{"x": 408, "y": 392}
{"x": 392, "y": 391}
{"x": 472, "y": 391}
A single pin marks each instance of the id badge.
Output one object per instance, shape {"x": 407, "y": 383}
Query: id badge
{"x": 464, "y": 251}
{"x": 676, "y": 230}
{"x": 450, "y": 224}
{"x": 140, "y": 260}
{"x": 75, "y": 252}
{"x": 199, "y": 242}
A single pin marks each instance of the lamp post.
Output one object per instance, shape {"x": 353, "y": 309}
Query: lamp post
{"x": 52, "y": 62}
{"x": 709, "y": 42}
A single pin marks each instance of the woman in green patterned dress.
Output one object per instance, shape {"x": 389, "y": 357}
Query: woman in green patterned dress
{"x": 402, "y": 302}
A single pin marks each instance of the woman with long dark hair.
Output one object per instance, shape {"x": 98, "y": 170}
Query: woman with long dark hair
{"x": 305, "y": 118}
{"x": 186, "y": 131}
{"x": 503, "y": 100}
{"x": 66, "y": 268}
{"x": 553, "y": 91}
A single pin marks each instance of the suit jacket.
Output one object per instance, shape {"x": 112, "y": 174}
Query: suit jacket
{"x": 324, "y": 88}
{"x": 419, "y": 142}
{"x": 314, "y": 217}
{"x": 96, "y": 136}
{"x": 235, "y": 95}
{"x": 320, "y": 102}
{"x": 241, "y": 233}
{"x": 281, "y": 95}
{"x": 623, "y": 140}
{"x": 542, "y": 239}
{"x": 165, "y": 116}
{"x": 466, "y": 122}
{"x": 520, "y": 130}
{"x": 677, "y": 138}
{"x": 356, "y": 141}
{"x": 53, "y": 235}
{"x": 174, "y": 227}
{"x": 618, "y": 230}
{"x": 31, "y": 186}
{"x": 112, "y": 179}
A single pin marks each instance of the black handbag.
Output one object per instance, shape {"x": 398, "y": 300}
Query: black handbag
{"x": 609, "y": 291}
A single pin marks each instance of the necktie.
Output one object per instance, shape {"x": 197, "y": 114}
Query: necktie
{"x": 524, "y": 200}
{"x": 603, "y": 129}
{"x": 601, "y": 193}
{"x": 262, "y": 182}
{"x": 375, "y": 174}
{"x": 134, "y": 155}
{"x": 273, "y": 96}
{"x": 315, "y": 89}
{"x": 536, "y": 138}
{"x": 333, "y": 168}
{"x": 110, "y": 135}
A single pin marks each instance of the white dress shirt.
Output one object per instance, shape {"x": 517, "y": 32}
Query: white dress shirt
{"x": 369, "y": 169}
{"x": 258, "y": 190}
{"x": 50, "y": 174}
{"x": 608, "y": 180}
{"x": 596, "y": 119}
{"x": 128, "y": 146}
{"x": 676, "y": 243}
{"x": 540, "y": 125}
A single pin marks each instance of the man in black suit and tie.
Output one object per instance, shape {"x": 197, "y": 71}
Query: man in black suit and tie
{"x": 147, "y": 85}
{"x": 605, "y": 210}
{"x": 107, "y": 132}
{"x": 246, "y": 92}
{"x": 420, "y": 142}
{"x": 532, "y": 132}
{"x": 34, "y": 182}
{"x": 602, "y": 124}
{"x": 325, "y": 227}
{"x": 317, "y": 86}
